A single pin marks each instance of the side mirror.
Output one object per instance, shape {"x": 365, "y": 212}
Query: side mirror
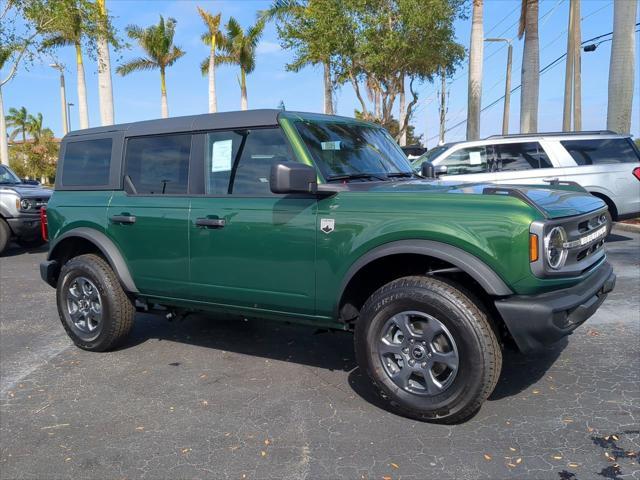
{"x": 293, "y": 177}
{"x": 427, "y": 170}
{"x": 440, "y": 170}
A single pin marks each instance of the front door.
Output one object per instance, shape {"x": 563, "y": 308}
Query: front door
{"x": 249, "y": 247}
{"x": 150, "y": 226}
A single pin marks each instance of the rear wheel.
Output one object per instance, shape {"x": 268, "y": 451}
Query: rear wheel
{"x": 428, "y": 348}
{"x": 5, "y": 235}
{"x": 94, "y": 309}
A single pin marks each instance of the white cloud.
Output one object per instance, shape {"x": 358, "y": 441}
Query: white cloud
{"x": 268, "y": 47}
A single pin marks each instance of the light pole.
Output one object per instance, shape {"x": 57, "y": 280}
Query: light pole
{"x": 63, "y": 98}
{"x": 507, "y": 86}
{"x": 69, "y": 105}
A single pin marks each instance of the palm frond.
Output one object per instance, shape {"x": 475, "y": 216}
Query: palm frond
{"x": 234, "y": 30}
{"x": 226, "y": 60}
{"x": 204, "y": 66}
{"x": 280, "y": 9}
{"x": 211, "y": 21}
{"x": 173, "y": 55}
{"x": 137, "y": 64}
{"x": 56, "y": 41}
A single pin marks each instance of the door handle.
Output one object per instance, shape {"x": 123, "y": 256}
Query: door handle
{"x": 211, "y": 222}
{"x": 123, "y": 219}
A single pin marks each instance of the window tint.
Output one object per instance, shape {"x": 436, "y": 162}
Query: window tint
{"x": 519, "y": 156}
{"x": 262, "y": 148}
{"x": 159, "y": 165}
{"x": 87, "y": 163}
{"x": 221, "y": 150}
{"x": 601, "y": 151}
{"x": 467, "y": 160}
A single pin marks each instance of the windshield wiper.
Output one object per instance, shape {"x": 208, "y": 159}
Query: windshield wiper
{"x": 400, "y": 174}
{"x": 354, "y": 176}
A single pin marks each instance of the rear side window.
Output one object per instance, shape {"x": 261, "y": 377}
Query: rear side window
{"x": 159, "y": 165}
{"x": 519, "y": 156}
{"x": 87, "y": 163}
{"x": 601, "y": 151}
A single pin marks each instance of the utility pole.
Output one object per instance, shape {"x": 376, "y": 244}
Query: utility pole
{"x": 507, "y": 84}
{"x": 443, "y": 98}
{"x": 63, "y": 98}
{"x": 572, "y": 80}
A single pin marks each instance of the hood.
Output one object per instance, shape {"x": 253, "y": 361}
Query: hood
{"x": 552, "y": 201}
{"x": 28, "y": 191}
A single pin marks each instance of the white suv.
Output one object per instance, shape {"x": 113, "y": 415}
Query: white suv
{"x": 604, "y": 163}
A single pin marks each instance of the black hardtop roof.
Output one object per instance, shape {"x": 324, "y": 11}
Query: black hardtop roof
{"x": 206, "y": 121}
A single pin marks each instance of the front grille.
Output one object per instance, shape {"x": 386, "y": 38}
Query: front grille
{"x": 585, "y": 243}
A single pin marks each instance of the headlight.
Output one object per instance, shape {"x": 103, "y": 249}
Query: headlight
{"x": 555, "y": 252}
{"x": 25, "y": 204}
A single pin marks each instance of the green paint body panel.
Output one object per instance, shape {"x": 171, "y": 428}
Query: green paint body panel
{"x": 271, "y": 259}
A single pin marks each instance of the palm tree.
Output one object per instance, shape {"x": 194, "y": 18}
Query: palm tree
{"x": 5, "y": 53}
{"x": 68, "y": 33}
{"x": 34, "y": 127}
{"x": 213, "y": 38}
{"x": 18, "y": 119}
{"x": 157, "y": 42}
{"x": 621, "y": 67}
{"x": 475, "y": 72}
{"x": 530, "y": 77}
{"x": 240, "y": 49}
{"x": 105, "y": 89}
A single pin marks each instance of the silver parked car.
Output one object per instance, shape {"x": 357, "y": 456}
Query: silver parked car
{"x": 606, "y": 164}
{"x": 20, "y": 204}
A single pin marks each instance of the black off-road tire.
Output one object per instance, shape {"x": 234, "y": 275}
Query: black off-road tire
{"x": 117, "y": 308}
{"x": 5, "y": 235}
{"x": 480, "y": 356}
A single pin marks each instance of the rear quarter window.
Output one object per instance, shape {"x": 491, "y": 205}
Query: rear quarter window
{"x": 601, "y": 151}
{"x": 87, "y": 163}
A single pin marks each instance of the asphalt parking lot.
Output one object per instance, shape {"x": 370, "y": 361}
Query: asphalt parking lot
{"x": 227, "y": 398}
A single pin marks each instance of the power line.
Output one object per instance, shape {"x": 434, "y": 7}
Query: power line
{"x": 546, "y": 68}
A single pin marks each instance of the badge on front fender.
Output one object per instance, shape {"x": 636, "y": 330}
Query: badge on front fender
{"x": 327, "y": 225}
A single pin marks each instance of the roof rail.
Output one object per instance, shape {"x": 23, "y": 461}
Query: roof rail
{"x": 548, "y": 134}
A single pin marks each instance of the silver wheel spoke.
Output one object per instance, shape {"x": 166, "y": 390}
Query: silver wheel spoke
{"x": 401, "y": 377}
{"x": 433, "y": 386}
{"x": 389, "y": 348}
{"x": 84, "y": 306}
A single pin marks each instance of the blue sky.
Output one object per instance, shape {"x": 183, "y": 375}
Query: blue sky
{"x": 137, "y": 96}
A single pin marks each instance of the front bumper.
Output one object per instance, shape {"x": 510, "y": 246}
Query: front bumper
{"x": 538, "y": 320}
{"x": 26, "y": 226}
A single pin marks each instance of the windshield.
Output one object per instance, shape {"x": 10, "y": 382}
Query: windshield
{"x": 342, "y": 150}
{"x": 7, "y": 176}
{"x": 430, "y": 155}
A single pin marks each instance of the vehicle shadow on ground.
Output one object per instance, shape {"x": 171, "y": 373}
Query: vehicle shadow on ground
{"x": 13, "y": 250}
{"x": 317, "y": 348}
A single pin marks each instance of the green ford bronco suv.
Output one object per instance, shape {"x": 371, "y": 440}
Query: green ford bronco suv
{"x": 320, "y": 220}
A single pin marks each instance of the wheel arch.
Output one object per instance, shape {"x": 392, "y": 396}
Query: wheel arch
{"x": 611, "y": 205}
{"x": 84, "y": 240}
{"x": 431, "y": 252}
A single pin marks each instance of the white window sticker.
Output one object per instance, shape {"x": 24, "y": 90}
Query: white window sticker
{"x": 330, "y": 145}
{"x": 221, "y": 156}
{"x": 475, "y": 158}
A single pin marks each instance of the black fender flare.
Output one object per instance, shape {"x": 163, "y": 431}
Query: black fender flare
{"x": 108, "y": 249}
{"x": 468, "y": 263}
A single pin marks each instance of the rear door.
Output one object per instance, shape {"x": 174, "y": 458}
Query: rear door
{"x": 150, "y": 226}
{"x": 251, "y": 248}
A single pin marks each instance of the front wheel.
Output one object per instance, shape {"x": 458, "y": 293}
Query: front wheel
{"x": 428, "y": 348}
{"x": 94, "y": 309}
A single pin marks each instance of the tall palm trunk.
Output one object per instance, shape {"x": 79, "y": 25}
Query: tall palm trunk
{"x": 621, "y": 67}
{"x": 402, "y": 118}
{"x": 4, "y": 144}
{"x": 530, "y": 75}
{"x": 213, "y": 104}
{"x": 243, "y": 89}
{"x": 328, "y": 88}
{"x": 163, "y": 94}
{"x": 476, "y": 52}
{"x": 105, "y": 89}
{"x": 83, "y": 109}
